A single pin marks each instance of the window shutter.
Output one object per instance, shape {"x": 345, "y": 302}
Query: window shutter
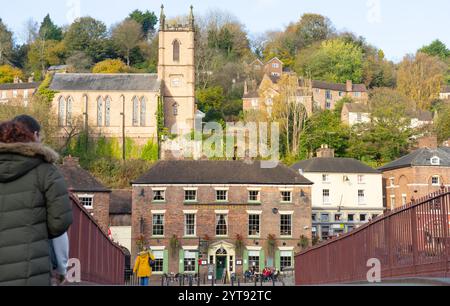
{"x": 181, "y": 262}
{"x": 245, "y": 260}
{"x": 277, "y": 260}
{"x": 166, "y": 261}
{"x": 262, "y": 261}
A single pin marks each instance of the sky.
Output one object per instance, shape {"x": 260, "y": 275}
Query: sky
{"x": 398, "y": 27}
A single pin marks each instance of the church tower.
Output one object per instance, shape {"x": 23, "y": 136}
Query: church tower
{"x": 176, "y": 70}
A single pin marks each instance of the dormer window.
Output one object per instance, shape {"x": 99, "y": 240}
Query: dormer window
{"x": 435, "y": 161}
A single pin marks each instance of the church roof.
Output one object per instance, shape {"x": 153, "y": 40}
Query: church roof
{"x": 105, "y": 82}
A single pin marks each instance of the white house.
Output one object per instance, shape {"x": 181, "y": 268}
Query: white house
{"x": 346, "y": 193}
{"x": 355, "y": 113}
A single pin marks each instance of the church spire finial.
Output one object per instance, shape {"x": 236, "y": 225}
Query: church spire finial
{"x": 162, "y": 18}
{"x": 191, "y": 17}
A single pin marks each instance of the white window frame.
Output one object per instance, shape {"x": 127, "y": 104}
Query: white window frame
{"x": 159, "y": 255}
{"x": 258, "y": 200}
{"x": 361, "y": 198}
{"x": 226, "y": 190}
{"x": 438, "y": 180}
{"x": 86, "y": 196}
{"x": 326, "y": 178}
{"x": 291, "y": 214}
{"x": 291, "y": 194}
{"x": 163, "y": 224}
{"x": 361, "y": 179}
{"x": 187, "y": 213}
{"x": 163, "y": 190}
{"x": 324, "y": 201}
{"x": 435, "y": 161}
{"x": 259, "y": 224}
{"x": 217, "y": 224}
{"x": 196, "y": 195}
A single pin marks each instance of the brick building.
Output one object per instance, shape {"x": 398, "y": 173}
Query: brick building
{"x": 326, "y": 94}
{"x": 18, "y": 90}
{"x": 120, "y": 217}
{"x": 196, "y": 215}
{"x": 416, "y": 175}
{"x": 92, "y": 194}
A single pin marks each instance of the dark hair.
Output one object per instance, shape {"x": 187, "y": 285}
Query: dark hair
{"x": 12, "y": 132}
{"x": 29, "y": 122}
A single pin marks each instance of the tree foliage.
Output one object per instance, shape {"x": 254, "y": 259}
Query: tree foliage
{"x": 111, "y": 66}
{"x": 6, "y": 44}
{"x": 8, "y": 73}
{"x": 49, "y": 30}
{"x": 333, "y": 61}
{"x": 146, "y": 19}
{"x": 420, "y": 77}
{"x": 127, "y": 36}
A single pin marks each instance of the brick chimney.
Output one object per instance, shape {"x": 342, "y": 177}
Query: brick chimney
{"x": 325, "y": 152}
{"x": 430, "y": 142}
{"x": 349, "y": 86}
{"x": 71, "y": 161}
{"x": 16, "y": 80}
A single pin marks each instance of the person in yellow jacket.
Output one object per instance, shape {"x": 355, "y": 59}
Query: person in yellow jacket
{"x": 142, "y": 266}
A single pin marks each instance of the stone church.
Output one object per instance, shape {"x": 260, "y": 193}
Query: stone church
{"x": 125, "y": 105}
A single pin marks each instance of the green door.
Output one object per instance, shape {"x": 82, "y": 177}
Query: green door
{"x": 221, "y": 266}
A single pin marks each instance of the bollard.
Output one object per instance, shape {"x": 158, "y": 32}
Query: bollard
{"x": 256, "y": 281}
{"x": 162, "y": 281}
{"x": 191, "y": 279}
{"x": 239, "y": 282}
{"x": 262, "y": 279}
{"x": 273, "y": 280}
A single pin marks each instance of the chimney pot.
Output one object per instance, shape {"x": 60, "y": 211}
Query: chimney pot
{"x": 325, "y": 152}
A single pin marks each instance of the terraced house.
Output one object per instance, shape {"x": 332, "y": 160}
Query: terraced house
{"x": 225, "y": 215}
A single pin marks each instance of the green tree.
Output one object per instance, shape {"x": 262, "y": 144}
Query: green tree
{"x": 49, "y": 30}
{"x": 442, "y": 123}
{"x": 210, "y": 101}
{"x": 333, "y": 61}
{"x": 387, "y": 136}
{"x": 146, "y": 19}
{"x": 45, "y": 53}
{"x": 436, "y": 48}
{"x": 6, "y": 44}
{"x": 127, "y": 36}
{"x": 90, "y": 36}
{"x": 324, "y": 127}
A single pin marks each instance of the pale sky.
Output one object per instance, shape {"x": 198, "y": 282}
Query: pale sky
{"x": 396, "y": 26}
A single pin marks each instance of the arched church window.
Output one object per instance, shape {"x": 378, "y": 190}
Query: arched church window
{"x": 135, "y": 111}
{"x": 107, "y": 111}
{"x": 99, "y": 111}
{"x": 61, "y": 111}
{"x": 176, "y": 50}
{"x": 175, "y": 109}
{"x": 69, "y": 111}
{"x": 143, "y": 110}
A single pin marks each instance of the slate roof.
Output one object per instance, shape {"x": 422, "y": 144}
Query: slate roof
{"x": 120, "y": 203}
{"x": 80, "y": 180}
{"x": 420, "y": 157}
{"x": 220, "y": 172}
{"x": 357, "y": 108}
{"x": 105, "y": 82}
{"x": 338, "y": 86}
{"x": 334, "y": 165}
{"x": 12, "y": 86}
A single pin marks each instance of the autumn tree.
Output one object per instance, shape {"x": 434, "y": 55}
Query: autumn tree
{"x": 127, "y": 36}
{"x": 436, "y": 48}
{"x": 420, "y": 77}
{"x": 333, "y": 61}
{"x": 442, "y": 122}
{"x": 8, "y": 73}
{"x": 111, "y": 66}
{"x": 289, "y": 112}
{"x": 45, "y": 53}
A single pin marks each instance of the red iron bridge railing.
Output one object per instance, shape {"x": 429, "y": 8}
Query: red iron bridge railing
{"x": 411, "y": 241}
{"x": 101, "y": 260}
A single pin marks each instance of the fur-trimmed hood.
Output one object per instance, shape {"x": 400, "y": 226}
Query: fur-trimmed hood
{"x": 30, "y": 149}
{"x": 17, "y": 159}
